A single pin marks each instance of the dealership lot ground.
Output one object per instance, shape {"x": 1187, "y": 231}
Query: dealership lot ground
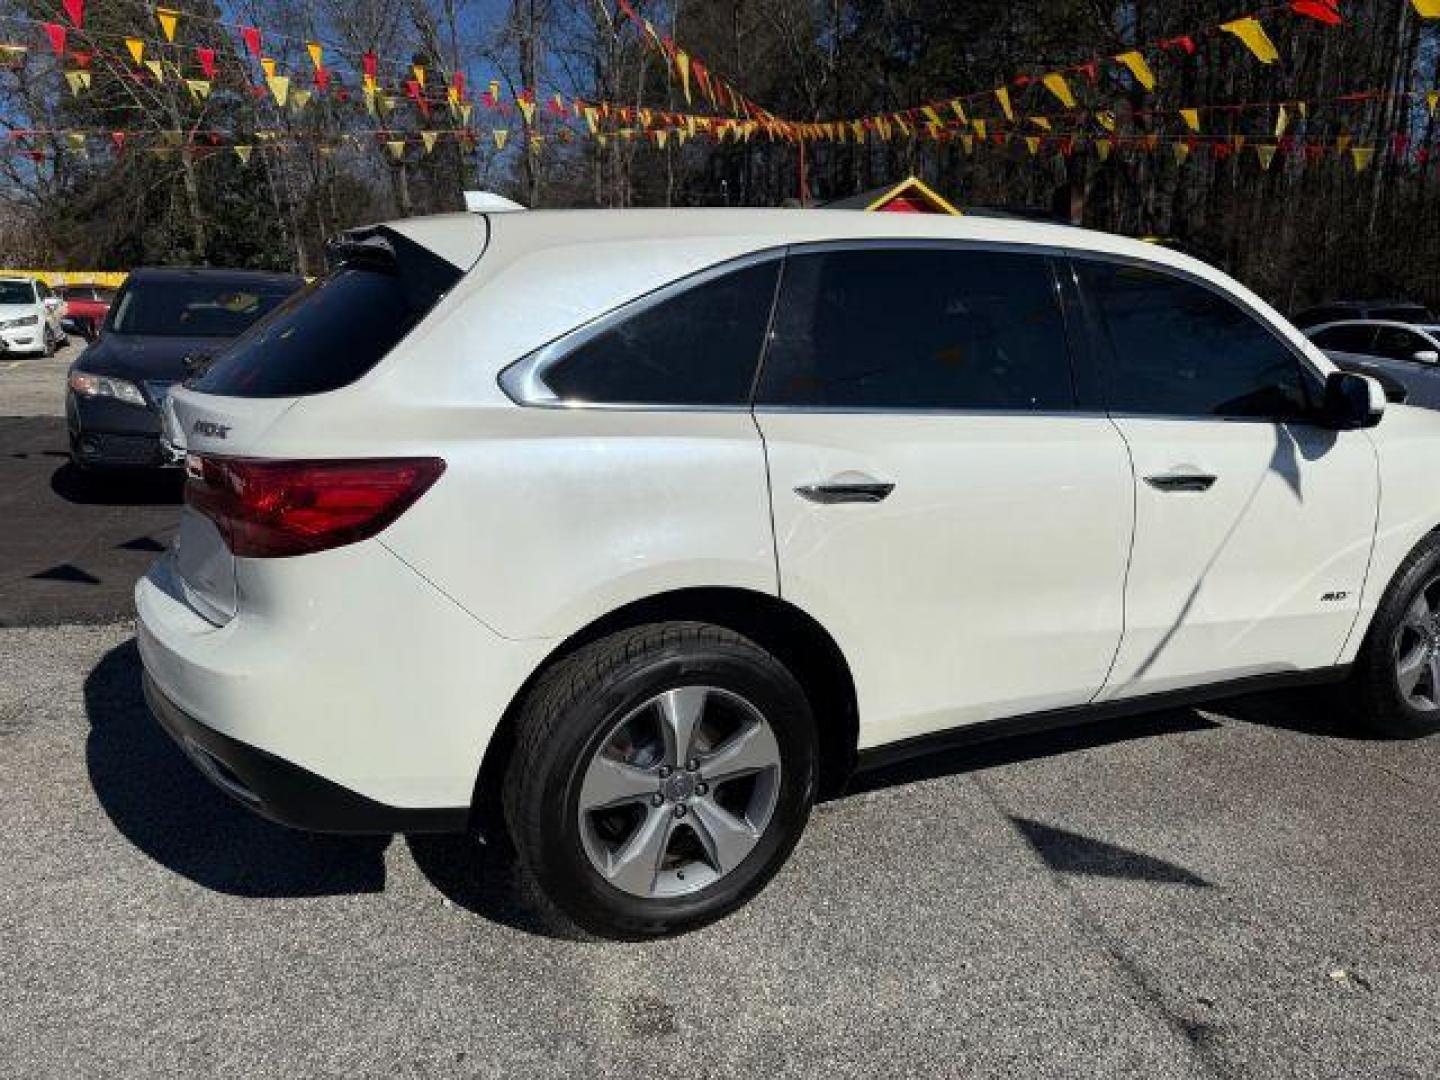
{"x": 1251, "y": 892}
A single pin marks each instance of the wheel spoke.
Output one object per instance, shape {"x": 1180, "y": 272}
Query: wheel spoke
{"x": 680, "y": 712}
{"x": 634, "y": 867}
{"x": 1433, "y": 688}
{"x": 1418, "y": 613}
{"x": 726, "y": 838}
{"x": 612, "y": 783}
{"x": 750, "y": 750}
{"x": 1410, "y": 668}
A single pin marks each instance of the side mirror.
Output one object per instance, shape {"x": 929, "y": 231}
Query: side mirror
{"x": 1352, "y": 401}
{"x": 1426, "y": 356}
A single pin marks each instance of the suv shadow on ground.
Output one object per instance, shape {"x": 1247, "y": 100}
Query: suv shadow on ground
{"x": 162, "y": 804}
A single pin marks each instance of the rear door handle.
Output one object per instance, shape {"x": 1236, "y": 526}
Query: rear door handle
{"x": 1181, "y": 481}
{"x": 845, "y": 491}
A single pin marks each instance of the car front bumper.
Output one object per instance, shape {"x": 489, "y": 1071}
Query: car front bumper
{"x": 105, "y": 432}
{"x": 27, "y": 339}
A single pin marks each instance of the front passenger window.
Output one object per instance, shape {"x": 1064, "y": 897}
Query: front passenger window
{"x": 1179, "y": 349}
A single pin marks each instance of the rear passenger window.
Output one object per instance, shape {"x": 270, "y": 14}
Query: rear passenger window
{"x": 697, "y": 347}
{"x": 918, "y": 329}
{"x": 1179, "y": 349}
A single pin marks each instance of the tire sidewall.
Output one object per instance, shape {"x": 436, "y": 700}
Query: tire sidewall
{"x": 565, "y": 871}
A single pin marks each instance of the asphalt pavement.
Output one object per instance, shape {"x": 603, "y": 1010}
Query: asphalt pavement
{"x": 1253, "y": 893}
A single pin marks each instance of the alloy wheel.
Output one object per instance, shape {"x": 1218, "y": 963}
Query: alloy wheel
{"x": 1417, "y": 650}
{"x": 679, "y": 792}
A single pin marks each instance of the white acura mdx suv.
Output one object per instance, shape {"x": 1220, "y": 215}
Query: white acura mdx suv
{"x": 629, "y": 532}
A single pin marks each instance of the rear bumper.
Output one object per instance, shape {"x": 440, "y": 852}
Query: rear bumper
{"x": 283, "y": 791}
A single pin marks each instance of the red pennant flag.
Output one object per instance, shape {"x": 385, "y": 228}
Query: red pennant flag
{"x": 459, "y": 83}
{"x": 1400, "y": 143}
{"x": 1091, "y": 70}
{"x": 81, "y": 58}
{"x": 322, "y": 79}
{"x": 75, "y": 9}
{"x": 1422, "y": 156}
{"x": 1184, "y": 43}
{"x": 412, "y": 88}
{"x": 118, "y": 137}
{"x": 1320, "y": 10}
{"x": 372, "y": 65}
{"x": 56, "y": 33}
{"x": 207, "y": 62}
{"x": 251, "y": 34}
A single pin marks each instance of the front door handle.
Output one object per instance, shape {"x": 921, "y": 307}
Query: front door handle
{"x": 845, "y": 491}
{"x": 1181, "y": 481}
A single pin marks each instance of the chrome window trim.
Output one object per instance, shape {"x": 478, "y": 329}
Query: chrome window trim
{"x": 523, "y": 381}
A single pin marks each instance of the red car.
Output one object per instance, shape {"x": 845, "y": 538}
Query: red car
{"x": 88, "y": 305}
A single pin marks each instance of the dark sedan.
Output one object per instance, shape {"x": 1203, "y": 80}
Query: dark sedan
{"x": 163, "y": 325}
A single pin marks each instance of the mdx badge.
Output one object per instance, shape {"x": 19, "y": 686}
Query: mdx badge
{"x": 210, "y": 429}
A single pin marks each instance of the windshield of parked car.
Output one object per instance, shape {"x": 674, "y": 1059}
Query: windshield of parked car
{"x": 16, "y": 292}
{"x": 194, "y": 308}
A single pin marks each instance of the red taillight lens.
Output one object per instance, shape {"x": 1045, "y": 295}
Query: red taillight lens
{"x": 266, "y": 509}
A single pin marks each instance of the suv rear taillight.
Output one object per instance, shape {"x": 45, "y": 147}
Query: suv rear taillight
{"x": 265, "y": 509}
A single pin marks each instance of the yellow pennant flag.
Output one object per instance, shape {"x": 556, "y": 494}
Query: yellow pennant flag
{"x": 317, "y": 54}
{"x": 169, "y": 20}
{"x": 242, "y": 151}
{"x": 1266, "y": 154}
{"x": 78, "y": 80}
{"x": 1432, "y": 98}
{"x": 592, "y": 120}
{"x": 1103, "y": 149}
{"x": 370, "y": 100}
{"x": 959, "y": 111}
{"x": 279, "y": 88}
{"x": 1135, "y": 62}
{"x": 1182, "y": 152}
{"x": 661, "y": 137}
{"x": 465, "y": 111}
{"x": 77, "y": 141}
{"x": 979, "y": 126}
{"x": 199, "y": 88}
{"x": 1342, "y": 143}
{"x": 1106, "y": 120}
{"x": 137, "y": 50}
{"x": 1042, "y": 122}
{"x": 419, "y": 74}
{"x": 1427, "y": 9}
{"x": 268, "y": 66}
{"x": 1238, "y": 141}
{"x": 527, "y": 109}
{"x": 859, "y": 130}
{"x": 299, "y": 99}
{"x": 968, "y": 142}
{"x": 1191, "y": 118}
{"x": 1003, "y": 96}
{"x": 1032, "y": 143}
{"x": 396, "y": 148}
{"x": 386, "y": 103}
{"x": 428, "y": 138}
{"x": 682, "y": 64}
{"x": 500, "y": 134}
{"x": 1282, "y": 121}
{"x": 1362, "y": 156}
{"x": 1056, "y": 84}
{"x": 931, "y": 115}
{"x": 156, "y": 69}
{"x": 1253, "y": 35}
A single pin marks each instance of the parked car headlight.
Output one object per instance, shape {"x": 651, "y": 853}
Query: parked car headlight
{"x": 87, "y": 385}
{"x": 15, "y": 324}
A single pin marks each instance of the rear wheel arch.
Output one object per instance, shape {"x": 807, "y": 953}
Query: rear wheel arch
{"x": 789, "y": 634}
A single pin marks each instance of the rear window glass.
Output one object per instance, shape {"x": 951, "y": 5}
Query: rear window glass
{"x": 334, "y": 331}
{"x": 201, "y": 308}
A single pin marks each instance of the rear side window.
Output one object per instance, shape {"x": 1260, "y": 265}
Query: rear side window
{"x": 1397, "y": 343}
{"x": 918, "y": 329}
{"x": 697, "y": 347}
{"x": 1180, "y": 349}
{"x": 335, "y": 330}
{"x": 1356, "y": 339}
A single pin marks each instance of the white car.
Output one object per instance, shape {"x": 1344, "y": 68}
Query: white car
{"x": 30, "y": 317}
{"x": 628, "y": 532}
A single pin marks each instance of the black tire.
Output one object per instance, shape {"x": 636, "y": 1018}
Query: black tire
{"x": 574, "y": 708}
{"x": 1376, "y": 694}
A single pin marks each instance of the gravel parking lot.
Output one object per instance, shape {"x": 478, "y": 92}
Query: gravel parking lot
{"x": 1253, "y": 893}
